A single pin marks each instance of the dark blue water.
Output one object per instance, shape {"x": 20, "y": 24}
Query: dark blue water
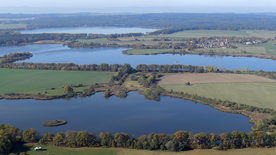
{"x": 95, "y": 30}
{"x": 134, "y": 115}
{"x": 54, "y": 53}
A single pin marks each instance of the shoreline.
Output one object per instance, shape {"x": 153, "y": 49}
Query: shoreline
{"x": 125, "y": 52}
{"x": 253, "y": 116}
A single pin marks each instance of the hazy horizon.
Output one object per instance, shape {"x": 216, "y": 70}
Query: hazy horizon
{"x": 137, "y": 6}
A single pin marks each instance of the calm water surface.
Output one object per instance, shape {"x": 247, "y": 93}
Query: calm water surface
{"x": 134, "y": 115}
{"x": 95, "y": 30}
{"x": 55, "y": 53}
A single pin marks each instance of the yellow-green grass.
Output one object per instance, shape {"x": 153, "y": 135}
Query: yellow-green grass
{"x": 259, "y": 94}
{"x": 53, "y": 150}
{"x": 24, "y": 81}
{"x": 55, "y": 92}
{"x": 12, "y": 26}
{"x": 268, "y": 48}
{"x": 222, "y": 33}
{"x": 132, "y": 83}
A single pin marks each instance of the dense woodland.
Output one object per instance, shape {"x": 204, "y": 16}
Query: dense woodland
{"x": 11, "y": 138}
{"x": 184, "y": 21}
{"x": 13, "y": 38}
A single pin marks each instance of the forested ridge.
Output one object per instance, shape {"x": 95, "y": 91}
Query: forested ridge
{"x": 186, "y": 21}
{"x": 13, "y": 38}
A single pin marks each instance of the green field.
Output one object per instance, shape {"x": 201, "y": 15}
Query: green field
{"x": 24, "y": 81}
{"x": 12, "y": 26}
{"x": 259, "y": 94}
{"x": 222, "y": 33}
{"x": 53, "y": 150}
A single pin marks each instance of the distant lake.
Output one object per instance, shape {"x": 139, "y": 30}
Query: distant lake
{"x": 134, "y": 115}
{"x": 95, "y": 30}
{"x": 55, "y": 53}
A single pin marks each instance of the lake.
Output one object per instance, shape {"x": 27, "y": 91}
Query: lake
{"x": 56, "y": 53}
{"x": 95, "y": 30}
{"x": 134, "y": 115}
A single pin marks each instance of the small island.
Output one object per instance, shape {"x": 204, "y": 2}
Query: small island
{"x": 54, "y": 123}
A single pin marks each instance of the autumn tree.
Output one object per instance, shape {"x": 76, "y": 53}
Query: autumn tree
{"x": 201, "y": 141}
{"x": 70, "y": 139}
{"x": 47, "y": 138}
{"x": 122, "y": 140}
{"x": 59, "y": 139}
{"x": 236, "y": 140}
{"x": 68, "y": 89}
{"x": 30, "y": 135}
{"x": 106, "y": 139}
{"x": 183, "y": 139}
{"x": 225, "y": 141}
{"x": 85, "y": 139}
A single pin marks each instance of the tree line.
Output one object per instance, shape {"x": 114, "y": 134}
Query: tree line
{"x": 187, "y": 21}
{"x": 13, "y": 57}
{"x": 11, "y": 137}
{"x": 139, "y": 68}
{"x": 15, "y": 38}
{"x": 107, "y": 67}
{"x": 11, "y": 38}
{"x": 66, "y": 66}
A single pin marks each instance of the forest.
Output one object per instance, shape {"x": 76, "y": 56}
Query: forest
{"x": 14, "y": 38}
{"x": 183, "y": 21}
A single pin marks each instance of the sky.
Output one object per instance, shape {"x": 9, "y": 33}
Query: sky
{"x": 137, "y": 6}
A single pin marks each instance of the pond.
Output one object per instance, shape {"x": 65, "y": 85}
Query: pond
{"x": 56, "y": 53}
{"x": 134, "y": 115}
{"x": 95, "y": 30}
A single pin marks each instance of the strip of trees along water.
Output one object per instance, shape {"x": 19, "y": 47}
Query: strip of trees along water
{"x": 11, "y": 137}
{"x": 139, "y": 68}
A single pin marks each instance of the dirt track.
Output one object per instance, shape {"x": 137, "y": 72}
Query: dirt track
{"x": 210, "y": 78}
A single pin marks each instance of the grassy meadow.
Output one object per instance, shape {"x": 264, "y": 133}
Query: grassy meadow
{"x": 33, "y": 81}
{"x": 53, "y": 150}
{"x": 259, "y": 94}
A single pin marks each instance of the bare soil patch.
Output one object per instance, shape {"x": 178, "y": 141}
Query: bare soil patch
{"x": 210, "y": 78}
